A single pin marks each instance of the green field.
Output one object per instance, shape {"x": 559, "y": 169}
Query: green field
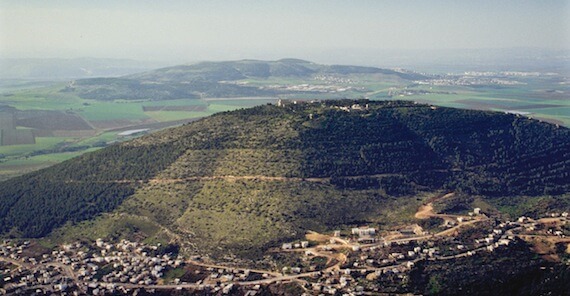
{"x": 108, "y": 118}
{"x": 41, "y": 143}
{"x": 543, "y": 97}
{"x": 533, "y": 97}
{"x": 100, "y": 111}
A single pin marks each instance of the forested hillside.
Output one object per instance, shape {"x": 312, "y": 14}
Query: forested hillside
{"x": 247, "y": 179}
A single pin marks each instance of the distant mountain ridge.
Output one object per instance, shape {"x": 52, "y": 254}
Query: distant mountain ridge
{"x": 244, "y": 180}
{"x": 235, "y": 70}
{"x": 213, "y": 79}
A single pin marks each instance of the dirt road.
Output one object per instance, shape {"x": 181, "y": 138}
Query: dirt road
{"x": 426, "y": 211}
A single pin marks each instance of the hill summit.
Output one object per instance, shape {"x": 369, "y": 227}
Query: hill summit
{"x": 247, "y": 179}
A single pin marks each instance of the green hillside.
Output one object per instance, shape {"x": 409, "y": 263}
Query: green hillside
{"x": 216, "y": 80}
{"x": 248, "y": 179}
{"x": 66, "y": 119}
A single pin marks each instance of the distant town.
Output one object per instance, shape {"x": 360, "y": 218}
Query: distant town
{"x": 339, "y": 84}
{"x": 354, "y": 261}
{"x": 474, "y": 78}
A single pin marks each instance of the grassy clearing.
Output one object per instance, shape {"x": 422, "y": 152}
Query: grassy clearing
{"x": 215, "y": 108}
{"x": 41, "y": 143}
{"x": 15, "y": 166}
{"x": 17, "y": 159}
{"x": 43, "y": 103}
{"x": 113, "y": 226}
{"x": 44, "y": 159}
{"x": 530, "y": 206}
{"x": 113, "y": 111}
{"x": 48, "y": 98}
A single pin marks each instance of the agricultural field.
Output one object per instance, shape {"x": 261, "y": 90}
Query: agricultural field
{"x": 547, "y": 100}
{"x": 57, "y": 121}
{"x": 542, "y": 97}
{"x": 65, "y": 126}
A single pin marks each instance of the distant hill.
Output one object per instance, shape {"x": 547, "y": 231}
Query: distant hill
{"x": 244, "y": 180}
{"x": 214, "y": 79}
{"x": 235, "y": 70}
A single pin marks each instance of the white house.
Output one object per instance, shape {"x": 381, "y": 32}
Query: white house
{"x": 364, "y": 231}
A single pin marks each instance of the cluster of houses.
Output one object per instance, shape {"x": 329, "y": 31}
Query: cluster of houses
{"x": 13, "y": 250}
{"x": 506, "y": 73}
{"x": 103, "y": 268}
{"x": 333, "y": 79}
{"x": 337, "y": 281}
{"x": 305, "y": 87}
{"x": 49, "y": 279}
{"x": 95, "y": 269}
{"x": 127, "y": 262}
{"x": 358, "y": 277}
{"x": 222, "y": 280}
{"x": 467, "y": 80}
{"x": 20, "y": 272}
{"x": 391, "y": 260}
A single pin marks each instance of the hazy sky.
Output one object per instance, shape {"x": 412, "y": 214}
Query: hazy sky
{"x": 257, "y": 29}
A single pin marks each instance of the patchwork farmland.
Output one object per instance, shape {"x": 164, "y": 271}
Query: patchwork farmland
{"x": 47, "y": 123}
{"x": 42, "y": 127}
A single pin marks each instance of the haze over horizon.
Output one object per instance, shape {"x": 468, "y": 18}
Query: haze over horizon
{"x": 318, "y": 30}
